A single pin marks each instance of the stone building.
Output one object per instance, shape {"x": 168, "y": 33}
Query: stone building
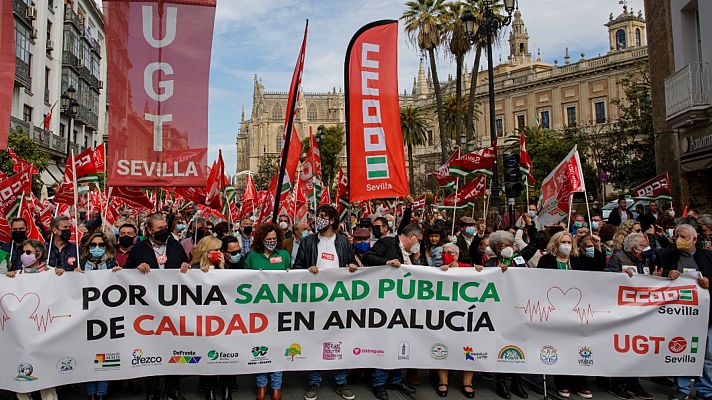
{"x": 682, "y": 96}
{"x": 528, "y": 92}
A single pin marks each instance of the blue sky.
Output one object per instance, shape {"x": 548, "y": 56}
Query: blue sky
{"x": 263, "y": 37}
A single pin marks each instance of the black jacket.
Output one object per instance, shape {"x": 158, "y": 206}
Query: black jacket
{"x": 615, "y": 217}
{"x": 11, "y": 247}
{"x": 143, "y": 252}
{"x": 384, "y": 250}
{"x": 474, "y": 250}
{"x": 308, "y": 252}
{"x": 668, "y": 258}
{"x": 579, "y": 263}
{"x": 621, "y": 258}
{"x": 465, "y": 255}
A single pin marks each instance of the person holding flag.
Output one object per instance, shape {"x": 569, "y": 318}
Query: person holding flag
{"x": 62, "y": 252}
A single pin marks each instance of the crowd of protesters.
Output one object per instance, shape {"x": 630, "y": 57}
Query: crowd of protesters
{"x": 653, "y": 243}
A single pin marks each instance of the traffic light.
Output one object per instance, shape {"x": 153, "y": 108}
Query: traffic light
{"x": 513, "y": 185}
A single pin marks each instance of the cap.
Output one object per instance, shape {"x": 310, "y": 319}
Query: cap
{"x": 362, "y": 233}
{"x": 467, "y": 221}
{"x": 365, "y": 222}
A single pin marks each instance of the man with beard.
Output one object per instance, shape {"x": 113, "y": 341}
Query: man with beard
{"x": 322, "y": 250}
{"x": 18, "y": 230}
{"x": 159, "y": 251}
{"x": 245, "y": 235}
{"x": 62, "y": 253}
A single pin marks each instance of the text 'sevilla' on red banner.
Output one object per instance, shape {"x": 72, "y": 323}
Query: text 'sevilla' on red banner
{"x": 158, "y": 56}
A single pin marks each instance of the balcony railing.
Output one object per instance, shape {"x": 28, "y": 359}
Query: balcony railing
{"x": 22, "y": 73}
{"x": 688, "y": 90}
{"x": 39, "y": 135}
{"x": 59, "y": 144}
{"x": 71, "y": 17}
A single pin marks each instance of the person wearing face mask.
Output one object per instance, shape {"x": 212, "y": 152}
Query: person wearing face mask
{"x": 267, "y": 255}
{"x": 705, "y": 238}
{"x": 179, "y": 229}
{"x": 527, "y": 249}
{"x": 596, "y": 223}
{"x": 201, "y": 230}
{"x": 468, "y": 238}
{"x": 62, "y": 253}
{"x": 284, "y": 225}
{"x": 393, "y": 251}
{"x": 636, "y": 257}
{"x": 322, "y": 250}
{"x": 18, "y": 232}
{"x": 232, "y": 252}
{"x": 159, "y": 251}
{"x": 301, "y": 231}
{"x": 206, "y": 254}
{"x": 379, "y": 229}
{"x": 361, "y": 244}
{"x": 245, "y": 236}
{"x": 591, "y": 253}
{"x": 221, "y": 229}
{"x": 125, "y": 240}
{"x": 32, "y": 259}
{"x": 688, "y": 257}
{"x": 433, "y": 251}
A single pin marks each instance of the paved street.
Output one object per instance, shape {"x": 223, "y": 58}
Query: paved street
{"x": 294, "y": 384}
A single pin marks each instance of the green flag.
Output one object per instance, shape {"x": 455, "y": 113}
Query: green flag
{"x": 4, "y": 261}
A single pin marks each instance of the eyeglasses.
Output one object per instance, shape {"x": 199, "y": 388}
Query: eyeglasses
{"x": 28, "y": 252}
{"x": 234, "y": 253}
{"x": 102, "y": 245}
{"x": 20, "y": 230}
{"x": 377, "y": 226}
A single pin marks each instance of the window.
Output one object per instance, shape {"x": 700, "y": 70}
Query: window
{"x": 430, "y": 137}
{"x": 311, "y": 113}
{"x": 62, "y": 129}
{"x": 499, "y": 123}
{"x": 521, "y": 123}
{"x": 521, "y": 48}
{"x": 637, "y": 37}
{"x": 27, "y": 113}
{"x": 22, "y": 43}
{"x": 600, "y": 111}
{"x": 279, "y": 142}
{"x": 49, "y": 30}
{"x": 571, "y": 116}
{"x": 620, "y": 39}
{"x": 46, "y": 85}
{"x": 277, "y": 112}
{"x": 545, "y": 122}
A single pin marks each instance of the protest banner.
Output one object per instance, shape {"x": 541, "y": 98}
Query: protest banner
{"x": 121, "y": 325}
{"x": 558, "y": 187}
{"x": 657, "y": 188}
{"x": 159, "y": 69}
{"x": 374, "y": 141}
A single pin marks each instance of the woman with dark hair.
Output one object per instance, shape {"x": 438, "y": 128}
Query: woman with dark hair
{"x": 436, "y": 238}
{"x": 234, "y": 257}
{"x": 98, "y": 254}
{"x": 266, "y": 255}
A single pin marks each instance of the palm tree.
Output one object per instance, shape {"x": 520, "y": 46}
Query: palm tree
{"x": 477, "y": 9}
{"x": 423, "y": 23}
{"x": 455, "y": 111}
{"x": 415, "y": 133}
{"x": 459, "y": 46}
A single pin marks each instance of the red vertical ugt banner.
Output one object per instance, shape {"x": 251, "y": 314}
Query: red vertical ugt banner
{"x": 374, "y": 141}
{"x": 7, "y": 68}
{"x": 159, "y": 65}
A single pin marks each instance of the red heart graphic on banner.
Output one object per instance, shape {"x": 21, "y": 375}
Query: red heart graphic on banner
{"x": 9, "y": 303}
{"x": 560, "y": 299}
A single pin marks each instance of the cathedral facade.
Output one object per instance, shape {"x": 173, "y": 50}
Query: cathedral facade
{"x": 528, "y": 92}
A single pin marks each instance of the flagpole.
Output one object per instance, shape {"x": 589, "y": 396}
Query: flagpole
{"x": 454, "y": 209}
{"x": 51, "y": 235}
{"x": 19, "y": 212}
{"x": 527, "y": 186}
{"x": 571, "y": 206}
{"x": 588, "y": 212}
{"x": 76, "y": 212}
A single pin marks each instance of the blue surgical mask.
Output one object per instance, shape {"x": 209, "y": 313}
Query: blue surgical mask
{"x": 181, "y": 227}
{"x": 362, "y": 247}
{"x": 578, "y": 224}
{"x": 470, "y": 230}
{"x": 97, "y": 252}
{"x": 531, "y": 213}
{"x": 648, "y": 253}
{"x": 594, "y": 225}
{"x": 235, "y": 258}
{"x": 590, "y": 251}
{"x": 116, "y": 231}
{"x": 305, "y": 233}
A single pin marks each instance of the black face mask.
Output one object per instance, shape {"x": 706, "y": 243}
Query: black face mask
{"x": 65, "y": 234}
{"x": 19, "y": 236}
{"x": 126, "y": 241}
{"x": 377, "y": 233}
{"x": 247, "y": 230}
{"x": 82, "y": 216}
{"x": 161, "y": 235}
{"x": 201, "y": 233}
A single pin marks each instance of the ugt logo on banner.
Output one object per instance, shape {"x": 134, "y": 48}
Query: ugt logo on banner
{"x": 159, "y": 68}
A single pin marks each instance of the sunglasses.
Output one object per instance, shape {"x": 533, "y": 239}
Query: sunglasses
{"x": 102, "y": 245}
{"x": 28, "y": 252}
{"x": 234, "y": 253}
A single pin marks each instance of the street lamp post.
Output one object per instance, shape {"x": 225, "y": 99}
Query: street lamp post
{"x": 488, "y": 29}
{"x": 70, "y": 108}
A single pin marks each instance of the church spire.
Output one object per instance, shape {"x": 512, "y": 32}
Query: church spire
{"x": 519, "y": 41}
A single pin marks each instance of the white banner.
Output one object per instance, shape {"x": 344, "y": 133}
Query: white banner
{"x": 117, "y": 325}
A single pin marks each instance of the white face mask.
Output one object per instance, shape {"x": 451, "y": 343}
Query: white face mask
{"x": 564, "y": 249}
{"x": 283, "y": 225}
{"x": 507, "y": 252}
{"x": 415, "y": 248}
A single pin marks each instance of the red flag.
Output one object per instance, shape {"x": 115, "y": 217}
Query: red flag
{"x": 159, "y": 69}
{"x": 419, "y": 203}
{"x": 525, "y": 162}
{"x": 250, "y": 190}
{"x": 442, "y": 174}
{"x": 467, "y": 193}
{"x": 558, "y": 188}
{"x": 654, "y": 188}
{"x": 100, "y": 158}
{"x": 48, "y": 117}
{"x": 133, "y": 197}
{"x": 32, "y": 231}
{"x": 65, "y": 190}
{"x": 86, "y": 163}
{"x": 7, "y": 68}
{"x": 5, "y": 232}
{"x": 342, "y": 192}
{"x": 20, "y": 163}
{"x": 14, "y": 186}
{"x": 311, "y": 169}
{"x": 325, "y": 196}
{"x": 376, "y": 159}
{"x": 476, "y": 162}
{"x": 194, "y": 194}
{"x": 216, "y": 184}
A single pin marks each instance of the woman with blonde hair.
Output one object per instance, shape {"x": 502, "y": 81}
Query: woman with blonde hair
{"x": 561, "y": 254}
{"x": 626, "y": 228}
{"x": 206, "y": 254}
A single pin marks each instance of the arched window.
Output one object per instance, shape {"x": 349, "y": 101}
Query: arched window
{"x": 277, "y": 112}
{"x": 279, "y": 142}
{"x": 620, "y": 40}
{"x": 637, "y": 37}
{"x": 311, "y": 113}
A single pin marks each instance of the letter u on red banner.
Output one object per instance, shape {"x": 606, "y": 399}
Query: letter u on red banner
{"x": 158, "y": 56}
{"x": 376, "y": 160}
